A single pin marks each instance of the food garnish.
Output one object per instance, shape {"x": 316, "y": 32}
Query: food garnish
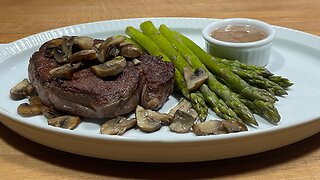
{"x": 118, "y": 125}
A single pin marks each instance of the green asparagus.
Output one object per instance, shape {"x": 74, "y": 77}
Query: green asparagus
{"x": 261, "y": 108}
{"x": 217, "y": 104}
{"x": 198, "y": 103}
{"x": 149, "y": 29}
{"x": 283, "y": 82}
{"x": 255, "y": 79}
{"x": 233, "y": 63}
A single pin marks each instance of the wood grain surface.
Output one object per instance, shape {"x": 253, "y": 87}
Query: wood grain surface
{"x": 21, "y": 158}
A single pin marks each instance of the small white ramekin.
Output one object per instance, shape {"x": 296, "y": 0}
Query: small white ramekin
{"x": 254, "y": 53}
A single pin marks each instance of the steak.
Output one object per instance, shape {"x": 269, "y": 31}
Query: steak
{"x": 148, "y": 83}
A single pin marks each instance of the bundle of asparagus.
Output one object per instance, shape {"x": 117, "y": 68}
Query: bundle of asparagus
{"x": 233, "y": 90}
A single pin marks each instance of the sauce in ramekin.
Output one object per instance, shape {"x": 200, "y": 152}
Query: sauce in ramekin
{"x": 238, "y": 33}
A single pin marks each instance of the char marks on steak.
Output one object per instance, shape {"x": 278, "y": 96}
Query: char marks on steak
{"x": 148, "y": 83}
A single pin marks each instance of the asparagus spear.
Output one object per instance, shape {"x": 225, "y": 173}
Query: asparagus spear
{"x": 154, "y": 50}
{"x": 255, "y": 79}
{"x": 232, "y": 63}
{"x": 283, "y": 82}
{"x": 217, "y": 104}
{"x": 263, "y": 109}
{"x": 180, "y": 85}
{"x": 258, "y": 69}
{"x": 229, "y": 97}
{"x": 151, "y": 31}
{"x": 198, "y": 103}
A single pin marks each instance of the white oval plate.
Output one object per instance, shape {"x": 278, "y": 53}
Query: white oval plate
{"x": 294, "y": 55}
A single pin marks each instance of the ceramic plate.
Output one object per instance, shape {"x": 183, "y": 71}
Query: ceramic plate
{"x": 294, "y": 55}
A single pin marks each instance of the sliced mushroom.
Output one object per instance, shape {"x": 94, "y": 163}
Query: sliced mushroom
{"x": 66, "y": 45}
{"x": 150, "y": 121}
{"x": 62, "y": 72}
{"x": 110, "y": 68}
{"x": 83, "y": 43}
{"x": 112, "y": 41}
{"x": 104, "y": 47}
{"x": 59, "y": 56}
{"x": 192, "y": 112}
{"x": 96, "y": 46}
{"x": 111, "y": 52}
{"x": 77, "y": 66}
{"x": 182, "y": 122}
{"x": 117, "y": 126}
{"x": 28, "y": 110}
{"x": 234, "y": 126}
{"x": 163, "y": 118}
{"x": 49, "y": 112}
{"x": 130, "y": 51}
{"x": 209, "y": 128}
{"x": 83, "y": 55}
{"x": 22, "y": 90}
{"x": 54, "y": 43}
{"x": 66, "y": 122}
{"x": 195, "y": 79}
{"x": 35, "y": 100}
{"x": 183, "y": 105}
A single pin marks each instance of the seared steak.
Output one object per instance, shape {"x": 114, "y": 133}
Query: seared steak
{"x": 148, "y": 83}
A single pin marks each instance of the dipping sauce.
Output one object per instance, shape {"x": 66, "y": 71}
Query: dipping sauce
{"x": 238, "y": 33}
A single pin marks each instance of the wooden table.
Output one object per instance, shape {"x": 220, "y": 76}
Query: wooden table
{"x": 21, "y": 158}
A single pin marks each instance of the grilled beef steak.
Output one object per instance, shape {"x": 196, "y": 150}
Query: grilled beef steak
{"x": 148, "y": 83}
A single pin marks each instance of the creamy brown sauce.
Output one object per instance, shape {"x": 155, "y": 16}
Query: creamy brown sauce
{"x": 238, "y": 33}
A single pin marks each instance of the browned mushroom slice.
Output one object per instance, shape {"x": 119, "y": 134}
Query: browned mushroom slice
{"x": 22, "y": 90}
{"x": 28, "y": 110}
{"x": 62, "y": 72}
{"x": 234, "y": 126}
{"x": 51, "y": 47}
{"x": 195, "y": 79}
{"x": 59, "y": 56}
{"x": 104, "y": 47}
{"x": 192, "y": 112}
{"x": 55, "y": 43}
{"x": 77, "y": 66}
{"x": 66, "y": 122}
{"x": 110, "y": 68}
{"x": 35, "y": 100}
{"x": 150, "y": 121}
{"x": 49, "y": 112}
{"x": 183, "y": 105}
{"x": 83, "y": 43}
{"x": 117, "y": 126}
{"x": 83, "y": 55}
{"x": 182, "y": 122}
{"x": 130, "y": 51}
{"x": 66, "y": 45}
{"x": 209, "y": 128}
